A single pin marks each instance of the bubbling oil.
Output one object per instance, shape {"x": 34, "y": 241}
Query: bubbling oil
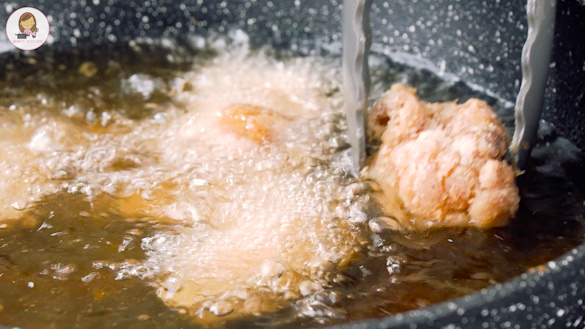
{"x": 263, "y": 223}
{"x": 256, "y": 224}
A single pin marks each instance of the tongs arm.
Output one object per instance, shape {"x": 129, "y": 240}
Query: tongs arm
{"x": 535, "y": 65}
{"x": 356, "y": 78}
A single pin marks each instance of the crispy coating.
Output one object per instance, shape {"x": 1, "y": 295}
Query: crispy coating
{"x": 253, "y": 122}
{"x": 441, "y": 164}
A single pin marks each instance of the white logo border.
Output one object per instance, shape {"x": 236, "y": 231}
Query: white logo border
{"x": 12, "y": 38}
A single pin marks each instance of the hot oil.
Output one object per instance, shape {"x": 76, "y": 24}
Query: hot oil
{"x": 192, "y": 225}
{"x": 257, "y": 223}
{"x": 57, "y": 268}
{"x": 263, "y": 221}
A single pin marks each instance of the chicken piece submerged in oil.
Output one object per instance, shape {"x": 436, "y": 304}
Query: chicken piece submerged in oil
{"x": 239, "y": 171}
{"x": 262, "y": 205}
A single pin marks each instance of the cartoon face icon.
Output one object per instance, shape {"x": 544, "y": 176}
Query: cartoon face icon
{"x": 28, "y": 23}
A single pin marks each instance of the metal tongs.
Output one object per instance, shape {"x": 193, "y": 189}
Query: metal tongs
{"x": 356, "y": 78}
{"x": 535, "y": 62}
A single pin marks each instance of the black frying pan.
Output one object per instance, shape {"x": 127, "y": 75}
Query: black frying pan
{"x": 480, "y": 41}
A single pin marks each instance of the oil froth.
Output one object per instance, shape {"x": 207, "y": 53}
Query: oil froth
{"x": 263, "y": 221}
{"x": 249, "y": 175}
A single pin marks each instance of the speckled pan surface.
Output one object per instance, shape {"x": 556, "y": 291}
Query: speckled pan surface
{"x": 479, "y": 41}
{"x": 553, "y": 298}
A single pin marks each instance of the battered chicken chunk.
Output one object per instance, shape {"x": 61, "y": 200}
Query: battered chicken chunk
{"x": 441, "y": 164}
{"x": 253, "y": 122}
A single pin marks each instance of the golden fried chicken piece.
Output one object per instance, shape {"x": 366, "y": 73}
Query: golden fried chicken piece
{"x": 253, "y": 122}
{"x": 441, "y": 164}
{"x": 235, "y": 128}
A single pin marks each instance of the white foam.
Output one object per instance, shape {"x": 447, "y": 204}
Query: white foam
{"x": 253, "y": 221}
